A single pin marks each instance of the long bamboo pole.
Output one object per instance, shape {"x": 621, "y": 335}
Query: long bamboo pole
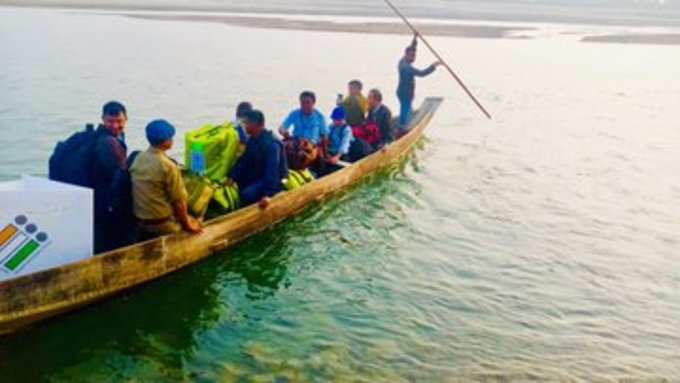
{"x": 438, "y": 56}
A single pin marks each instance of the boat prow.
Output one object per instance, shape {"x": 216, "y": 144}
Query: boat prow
{"x": 35, "y": 297}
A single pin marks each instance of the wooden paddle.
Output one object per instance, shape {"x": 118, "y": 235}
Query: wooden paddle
{"x": 444, "y": 63}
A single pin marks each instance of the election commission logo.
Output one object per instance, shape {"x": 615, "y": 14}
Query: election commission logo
{"x": 20, "y": 241}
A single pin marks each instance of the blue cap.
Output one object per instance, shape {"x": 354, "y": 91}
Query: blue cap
{"x": 159, "y": 131}
{"x": 338, "y": 113}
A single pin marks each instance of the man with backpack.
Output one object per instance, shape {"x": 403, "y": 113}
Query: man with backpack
{"x": 97, "y": 159}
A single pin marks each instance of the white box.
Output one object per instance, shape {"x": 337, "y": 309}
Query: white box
{"x": 43, "y": 224}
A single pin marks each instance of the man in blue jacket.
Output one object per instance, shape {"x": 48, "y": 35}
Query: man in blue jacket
{"x": 112, "y": 210}
{"x": 263, "y": 166}
{"x": 406, "y": 90}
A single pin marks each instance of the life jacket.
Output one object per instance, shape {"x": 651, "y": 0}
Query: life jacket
{"x": 300, "y": 153}
{"x": 72, "y": 161}
{"x": 369, "y": 132}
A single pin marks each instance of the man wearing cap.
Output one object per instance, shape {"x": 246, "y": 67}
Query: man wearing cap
{"x": 261, "y": 169}
{"x": 407, "y": 81}
{"x": 158, "y": 192}
{"x": 340, "y": 137}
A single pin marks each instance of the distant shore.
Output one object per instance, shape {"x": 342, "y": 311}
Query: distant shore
{"x": 463, "y": 10}
{"x": 647, "y": 39}
{"x": 455, "y": 30}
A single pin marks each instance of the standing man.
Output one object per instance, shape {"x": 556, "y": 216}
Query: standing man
{"x": 380, "y": 115}
{"x": 407, "y": 81}
{"x": 263, "y": 167}
{"x": 307, "y": 122}
{"x": 110, "y": 180}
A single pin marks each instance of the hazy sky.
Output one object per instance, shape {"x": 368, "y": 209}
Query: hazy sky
{"x": 632, "y": 12}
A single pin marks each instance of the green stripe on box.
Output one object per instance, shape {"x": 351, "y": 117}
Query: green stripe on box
{"x": 22, "y": 255}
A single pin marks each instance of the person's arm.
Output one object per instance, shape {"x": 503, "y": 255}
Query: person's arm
{"x": 363, "y": 103}
{"x": 111, "y": 160}
{"x": 188, "y": 222}
{"x": 423, "y": 72}
{"x": 324, "y": 130}
{"x": 236, "y": 174}
{"x": 385, "y": 124}
{"x": 414, "y": 42}
{"x": 284, "y": 129}
{"x": 272, "y": 176}
{"x": 345, "y": 142}
{"x": 110, "y": 156}
{"x": 178, "y": 196}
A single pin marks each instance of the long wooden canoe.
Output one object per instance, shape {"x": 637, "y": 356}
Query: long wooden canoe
{"x": 32, "y": 298}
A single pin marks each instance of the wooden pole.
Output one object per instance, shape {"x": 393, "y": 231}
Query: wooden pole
{"x": 434, "y": 52}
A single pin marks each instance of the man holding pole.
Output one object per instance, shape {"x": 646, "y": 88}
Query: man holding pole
{"x": 407, "y": 81}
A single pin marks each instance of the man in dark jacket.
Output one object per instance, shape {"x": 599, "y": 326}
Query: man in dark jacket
{"x": 407, "y": 81}
{"x": 381, "y": 115}
{"x": 112, "y": 210}
{"x": 261, "y": 169}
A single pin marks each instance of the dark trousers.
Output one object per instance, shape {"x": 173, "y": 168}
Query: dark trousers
{"x": 406, "y": 111}
{"x": 112, "y": 232}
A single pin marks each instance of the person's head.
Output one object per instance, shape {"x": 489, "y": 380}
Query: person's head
{"x": 375, "y": 98}
{"x": 307, "y": 102}
{"x": 160, "y": 134}
{"x": 242, "y": 109}
{"x": 338, "y": 116}
{"x": 114, "y": 117}
{"x": 410, "y": 54}
{"x": 254, "y": 123}
{"x": 355, "y": 87}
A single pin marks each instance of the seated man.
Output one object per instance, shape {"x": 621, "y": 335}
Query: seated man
{"x": 355, "y": 104}
{"x": 340, "y": 137}
{"x": 159, "y": 196}
{"x": 307, "y": 122}
{"x": 262, "y": 168}
{"x": 380, "y": 115}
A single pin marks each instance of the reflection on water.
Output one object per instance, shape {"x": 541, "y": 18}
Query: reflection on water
{"x": 541, "y": 246}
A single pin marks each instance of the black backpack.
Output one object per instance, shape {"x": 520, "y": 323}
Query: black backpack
{"x": 72, "y": 161}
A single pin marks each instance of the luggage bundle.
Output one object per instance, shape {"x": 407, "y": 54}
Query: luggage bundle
{"x": 300, "y": 153}
{"x": 211, "y": 152}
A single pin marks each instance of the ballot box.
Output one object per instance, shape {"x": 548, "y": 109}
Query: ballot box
{"x": 43, "y": 224}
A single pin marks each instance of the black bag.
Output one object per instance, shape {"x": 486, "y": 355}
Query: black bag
{"x": 359, "y": 149}
{"x": 72, "y": 161}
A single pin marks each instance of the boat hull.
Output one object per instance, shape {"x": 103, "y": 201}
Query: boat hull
{"x": 33, "y": 298}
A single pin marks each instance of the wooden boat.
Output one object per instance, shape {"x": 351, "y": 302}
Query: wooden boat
{"x": 32, "y": 298}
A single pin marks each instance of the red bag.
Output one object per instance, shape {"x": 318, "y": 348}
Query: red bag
{"x": 369, "y": 132}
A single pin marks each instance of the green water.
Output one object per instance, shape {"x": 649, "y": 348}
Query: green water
{"x": 541, "y": 246}
{"x": 308, "y": 300}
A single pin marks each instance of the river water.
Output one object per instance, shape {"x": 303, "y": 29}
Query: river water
{"x": 540, "y": 246}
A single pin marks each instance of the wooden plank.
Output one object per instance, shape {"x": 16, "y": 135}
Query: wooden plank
{"x": 35, "y": 297}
